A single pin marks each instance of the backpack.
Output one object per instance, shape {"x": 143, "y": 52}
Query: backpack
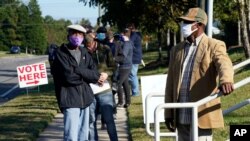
{"x": 119, "y": 56}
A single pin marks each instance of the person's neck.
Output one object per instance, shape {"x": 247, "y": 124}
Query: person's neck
{"x": 71, "y": 47}
{"x": 192, "y": 38}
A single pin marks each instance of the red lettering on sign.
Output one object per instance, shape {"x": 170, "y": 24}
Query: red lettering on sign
{"x": 22, "y": 78}
{"x": 36, "y": 76}
{"x": 41, "y": 67}
{"x": 21, "y": 69}
{"x": 29, "y": 77}
{"x": 28, "y": 69}
{"x": 34, "y": 66}
{"x": 43, "y": 74}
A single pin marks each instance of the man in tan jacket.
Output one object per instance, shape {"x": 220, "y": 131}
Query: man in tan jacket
{"x": 199, "y": 66}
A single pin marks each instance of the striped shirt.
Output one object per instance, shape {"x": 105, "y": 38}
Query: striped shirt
{"x": 185, "y": 114}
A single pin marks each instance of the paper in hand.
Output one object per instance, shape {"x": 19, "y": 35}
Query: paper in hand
{"x": 98, "y": 89}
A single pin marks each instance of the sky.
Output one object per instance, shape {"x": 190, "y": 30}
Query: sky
{"x": 68, "y": 9}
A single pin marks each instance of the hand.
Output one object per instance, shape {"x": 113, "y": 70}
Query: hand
{"x": 102, "y": 78}
{"x": 170, "y": 124}
{"x": 226, "y": 88}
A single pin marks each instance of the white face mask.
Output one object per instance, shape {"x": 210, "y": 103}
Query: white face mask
{"x": 186, "y": 29}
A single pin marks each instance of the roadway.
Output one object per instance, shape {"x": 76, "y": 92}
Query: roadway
{"x": 9, "y": 87}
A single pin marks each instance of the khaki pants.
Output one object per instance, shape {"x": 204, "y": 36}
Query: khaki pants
{"x": 185, "y": 133}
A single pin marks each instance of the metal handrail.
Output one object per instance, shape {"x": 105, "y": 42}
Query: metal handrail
{"x": 237, "y": 106}
{"x": 241, "y": 64}
{"x": 157, "y": 94}
{"x": 148, "y": 130}
{"x": 194, "y": 106}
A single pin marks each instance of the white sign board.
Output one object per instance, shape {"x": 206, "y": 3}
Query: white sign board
{"x": 32, "y": 75}
{"x": 153, "y": 84}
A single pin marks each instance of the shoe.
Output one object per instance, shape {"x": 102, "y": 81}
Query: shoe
{"x": 126, "y": 105}
{"x": 136, "y": 94}
{"x": 114, "y": 116}
{"x": 119, "y": 106}
{"x": 103, "y": 126}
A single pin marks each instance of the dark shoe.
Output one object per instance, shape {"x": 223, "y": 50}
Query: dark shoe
{"x": 119, "y": 106}
{"x": 103, "y": 126}
{"x": 126, "y": 105}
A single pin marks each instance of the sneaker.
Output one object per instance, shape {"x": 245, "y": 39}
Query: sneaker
{"x": 126, "y": 105}
{"x": 114, "y": 116}
{"x": 136, "y": 94}
{"x": 119, "y": 106}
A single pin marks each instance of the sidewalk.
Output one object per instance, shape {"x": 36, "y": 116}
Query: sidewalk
{"x": 54, "y": 131}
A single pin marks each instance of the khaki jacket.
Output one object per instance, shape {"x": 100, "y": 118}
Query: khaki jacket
{"x": 211, "y": 67}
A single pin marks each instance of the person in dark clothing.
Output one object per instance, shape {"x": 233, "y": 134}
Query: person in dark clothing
{"x": 123, "y": 57}
{"x": 51, "y": 55}
{"x": 73, "y": 70}
{"x": 135, "y": 37}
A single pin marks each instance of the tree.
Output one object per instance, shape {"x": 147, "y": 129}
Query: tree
{"x": 242, "y": 9}
{"x": 55, "y": 30}
{"x": 151, "y": 16}
{"x": 8, "y": 20}
{"x": 35, "y": 35}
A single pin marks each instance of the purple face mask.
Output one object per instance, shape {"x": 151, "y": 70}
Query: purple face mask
{"x": 75, "y": 40}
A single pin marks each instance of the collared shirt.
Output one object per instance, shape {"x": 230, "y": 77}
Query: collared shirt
{"x": 189, "y": 56}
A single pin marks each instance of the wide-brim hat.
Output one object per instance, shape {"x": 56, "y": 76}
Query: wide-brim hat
{"x": 77, "y": 28}
{"x": 195, "y": 15}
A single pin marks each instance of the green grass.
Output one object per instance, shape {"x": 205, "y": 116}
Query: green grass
{"x": 24, "y": 117}
{"x": 241, "y": 116}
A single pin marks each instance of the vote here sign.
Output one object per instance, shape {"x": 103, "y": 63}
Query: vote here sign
{"x": 32, "y": 75}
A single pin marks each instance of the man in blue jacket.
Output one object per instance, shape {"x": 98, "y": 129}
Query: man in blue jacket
{"x": 135, "y": 37}
{"x": 73, "y": 70}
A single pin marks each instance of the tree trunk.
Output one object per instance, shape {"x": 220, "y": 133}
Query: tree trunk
{"x": 159, "y": 36}
{"x": 242, "y": 16}
{"x": 239, "y": 34}
{"x": 247, "y": 14}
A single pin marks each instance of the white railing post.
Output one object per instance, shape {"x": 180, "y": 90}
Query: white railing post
{"x": 194, "y": 106}
{"x": 157, "y": 124}
{"x": 195, "y": 123}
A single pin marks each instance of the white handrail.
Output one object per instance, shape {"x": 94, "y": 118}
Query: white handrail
{"x": 148, "y": 130}
{"x": 194, "y": 106}
{"x": 237, "y": 106}
{"x": 241, "y": 64}
{"x": 157, "y": 94}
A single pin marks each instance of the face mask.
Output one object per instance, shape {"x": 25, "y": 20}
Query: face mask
{"x": 101, "y": 36}
{"x": 186, "y": 29}
{"x": 75, "y": 40}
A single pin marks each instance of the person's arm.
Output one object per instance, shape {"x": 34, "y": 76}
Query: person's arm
{"x": 65, "y": 71}
{"x": 169, "y": 119}
{"x": 119, "y": 56}
{"x": 90, "y": 74}
{"x": 224, "y": 67}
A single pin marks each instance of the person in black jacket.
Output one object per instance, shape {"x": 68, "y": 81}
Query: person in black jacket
{"x": 73, "y": 70}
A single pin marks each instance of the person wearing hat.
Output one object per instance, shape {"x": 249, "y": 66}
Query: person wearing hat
{"x": 73, "y": 70}
{"x": 104, "y": 100}
{"x": 198, "y": 67}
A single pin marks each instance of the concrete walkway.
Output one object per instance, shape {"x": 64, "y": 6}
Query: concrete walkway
{"x": 54, "y": 132}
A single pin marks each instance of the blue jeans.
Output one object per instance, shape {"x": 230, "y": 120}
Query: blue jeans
{"x": 76, "y": 124}
{"x": 103, "y": 105}
{"x": 133, "y": 79}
